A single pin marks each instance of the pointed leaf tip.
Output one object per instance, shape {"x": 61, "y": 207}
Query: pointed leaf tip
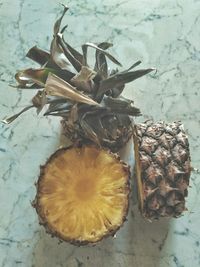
{"x": 86, "y": 45}
{"x": 12, "y": 118}
{"x": 55, "y": 86}
{"x": 59, "y": 20}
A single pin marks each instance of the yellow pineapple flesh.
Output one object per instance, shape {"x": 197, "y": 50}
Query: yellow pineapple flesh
{"x": 82, "y": 194}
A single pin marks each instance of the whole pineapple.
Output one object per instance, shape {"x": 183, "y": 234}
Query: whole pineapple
{"x": 162, "y": 168}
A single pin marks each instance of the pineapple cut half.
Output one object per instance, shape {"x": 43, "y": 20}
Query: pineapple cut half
{"x": 82, "y": 194}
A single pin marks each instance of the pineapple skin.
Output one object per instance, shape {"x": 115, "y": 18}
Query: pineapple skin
{"x": 163, "y": 168}
{"x": 44, "y": 222}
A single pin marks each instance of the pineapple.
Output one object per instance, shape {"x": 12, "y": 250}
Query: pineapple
{"x": 82, "y": 191}
{"x": 82, "y": 194}
{"x": 162, "y": 168}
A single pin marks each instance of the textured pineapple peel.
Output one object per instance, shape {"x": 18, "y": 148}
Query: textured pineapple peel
{"x": 82, "y": 194}
{"x": 162, "y": 168}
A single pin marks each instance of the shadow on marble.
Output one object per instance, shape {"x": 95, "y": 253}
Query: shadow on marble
{"x": 138, "y": 243}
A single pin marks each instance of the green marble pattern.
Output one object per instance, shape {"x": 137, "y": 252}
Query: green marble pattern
{"x": 163, "y": 34}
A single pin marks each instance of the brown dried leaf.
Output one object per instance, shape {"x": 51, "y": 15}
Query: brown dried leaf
{"x": 38, "y": 55}
{"x": 12, "y": 118}
{"x": 120, "y": 79}
{"x": 121, "y": 105}
{"x": 78, "y": 56}
{"x": 39, "y": 100}
{"x": 30, "y": 76}
{"x": 101, "y": 63}
{"x": 85, "y": 46}
{"x": 83, "y": 80}
{"x": 58, "y": 87}
{"x": 89, "y": 132}
{"x": 57, "y": 54}
{"x": 58, "y": 107}
{"x": 75, "y": 63}
{"x": 58, "y": 22}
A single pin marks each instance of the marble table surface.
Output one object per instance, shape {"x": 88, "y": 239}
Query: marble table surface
{"x": 163, "y": 34}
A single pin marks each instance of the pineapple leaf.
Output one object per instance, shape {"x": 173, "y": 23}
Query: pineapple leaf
{"x": 120, "y": 79}
{"x": 39, "y": 76}
{"x": 26, "y": 86}
{"x": 58, "y": 107}
{"x": 132, "y": 66}
{"x": 38, "y": 55}
{"x": 58, "y": 22}
{"x": 12, "y": 118}
{"x": 30, "y": 76}
{"x": 61, "y": 52}
{"x": 77, "y": 55}
{"x": 89, "y": 132}
{"x": 101, "y": 64}
{"x": 39, "y": 100}
{"x": 85, "y": 46}
{"x": 63, "y": 29}
{"x": 83, "y": 80}
{"x": 75, "y": 63}
{"x": 55, "y": 86}
{"x": 121, "y": 105}
{"x": 57, "y": 54}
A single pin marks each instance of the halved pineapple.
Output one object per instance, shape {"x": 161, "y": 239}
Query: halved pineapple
{"x": 82, "y": 194}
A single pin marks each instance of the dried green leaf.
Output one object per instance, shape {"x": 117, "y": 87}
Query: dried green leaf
{"x": 85, "y": 46}
{"x": 12, "y": 118}
{"x": 26, "y": 78}
{"x": 58, "y": 87}
{"x": 30, "y": 76}
{"x": 38, "y": 55}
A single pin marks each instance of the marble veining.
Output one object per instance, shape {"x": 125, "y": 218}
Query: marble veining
{"x": 163, "y": 34}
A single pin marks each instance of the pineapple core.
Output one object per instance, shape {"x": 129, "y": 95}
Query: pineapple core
{"x": 83, "y": 194}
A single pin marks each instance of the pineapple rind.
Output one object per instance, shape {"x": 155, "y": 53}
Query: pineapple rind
{"x": 164, "y": 164}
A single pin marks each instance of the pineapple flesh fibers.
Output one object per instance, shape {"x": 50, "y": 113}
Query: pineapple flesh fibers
{"x": 162, "y": 168}
{"x": 82, "y": 194}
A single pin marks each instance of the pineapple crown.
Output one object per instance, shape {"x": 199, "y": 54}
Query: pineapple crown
{"x": 65, "y": 80}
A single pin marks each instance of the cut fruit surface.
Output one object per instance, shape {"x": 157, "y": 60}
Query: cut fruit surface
{"x": 82, "y": 194}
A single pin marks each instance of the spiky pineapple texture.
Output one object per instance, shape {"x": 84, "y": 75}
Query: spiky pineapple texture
{"x": 88, "y": 99}
{"x": 162, "y": 168}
